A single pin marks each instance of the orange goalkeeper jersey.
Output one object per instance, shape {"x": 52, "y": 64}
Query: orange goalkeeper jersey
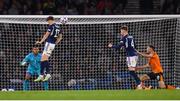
{"x": 155, "y": 64}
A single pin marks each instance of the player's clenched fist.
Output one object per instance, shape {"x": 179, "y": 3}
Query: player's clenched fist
{"x": 110, "y": 45}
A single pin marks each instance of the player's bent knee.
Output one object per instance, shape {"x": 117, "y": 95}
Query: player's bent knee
{"x": 141, "y": 78}
{"x": 144, "y": 77}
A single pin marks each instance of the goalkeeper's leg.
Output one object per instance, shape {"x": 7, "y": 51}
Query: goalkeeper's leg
{"x": 46, "y": 85}
{"x": 26, "y": 84}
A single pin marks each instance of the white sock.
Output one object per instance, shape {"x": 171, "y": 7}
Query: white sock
{"x": 41, "y": 76}
{"x": 48, "y": 75}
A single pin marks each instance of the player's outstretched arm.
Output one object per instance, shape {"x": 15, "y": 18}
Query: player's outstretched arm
{"x": 138, "y": 68}
{"x": 110, "y": 45}
{"x": 24, "y": 62}
{"x": 141, "y": 67}
{"x": 59, "y": 39}
{"x": 44, "y": 38}
{"x": 144, "y": 54}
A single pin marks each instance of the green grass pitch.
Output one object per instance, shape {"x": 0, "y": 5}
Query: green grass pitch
{"x": 92, "y": 95}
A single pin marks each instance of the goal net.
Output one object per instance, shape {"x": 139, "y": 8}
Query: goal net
{"x": 82, "y": 60}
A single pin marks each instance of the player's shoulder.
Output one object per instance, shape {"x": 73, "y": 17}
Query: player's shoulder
{"x": 127, "y": 37}
{"x": 39, "y": 54}
{"x": 51, "y": 26}
{"x": 156, "y": 54}
{"x": 56, "y": 25}
{"x": 29, "y": 55}
{"x": 130, "y": 36}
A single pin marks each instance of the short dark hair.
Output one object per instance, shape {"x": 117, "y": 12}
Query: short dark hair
{"x": 35, "y": 46}
{"x": 49, "y": 18}
{"x": 152, "y": 47}
{"x": 124, "y": 28}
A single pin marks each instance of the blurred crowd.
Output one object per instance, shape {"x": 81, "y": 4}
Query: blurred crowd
{"x": 88, "y": 7}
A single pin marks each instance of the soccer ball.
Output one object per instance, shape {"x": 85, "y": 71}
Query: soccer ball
{"x": 64, "y": 20}
{"x": 4, "y": 90}
{"x": 11, "y": 89}
{"x": 71, "y": 82}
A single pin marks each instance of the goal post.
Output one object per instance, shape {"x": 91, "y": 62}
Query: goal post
{"x": 82, "y": 60}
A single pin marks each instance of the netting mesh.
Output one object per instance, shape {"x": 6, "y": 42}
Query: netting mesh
{"x": 83, "y": 60}
{"x": 177, "y": 58}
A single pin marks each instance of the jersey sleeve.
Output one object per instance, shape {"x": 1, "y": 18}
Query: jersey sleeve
{"x": 134, "y": 44}
{"x": 121, "y": 44}
{"x": 26, "y": 59}
{"x": 50, "y": 28}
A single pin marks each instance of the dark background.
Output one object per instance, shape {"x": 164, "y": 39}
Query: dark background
{"x": 88, "y": 7}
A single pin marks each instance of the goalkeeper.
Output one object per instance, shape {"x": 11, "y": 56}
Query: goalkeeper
{"x": 33, "y": 60}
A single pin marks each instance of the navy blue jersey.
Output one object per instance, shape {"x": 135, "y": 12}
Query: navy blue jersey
{"x": 54, "y": 31}
{"x": 128, "y": 43}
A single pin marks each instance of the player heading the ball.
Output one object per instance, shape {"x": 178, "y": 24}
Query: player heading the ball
{"x": 52, "y": 37}
{"x": 127, "y": 42}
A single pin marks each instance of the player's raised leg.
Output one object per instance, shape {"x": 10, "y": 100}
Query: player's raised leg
{"x": 44, "y": 61}
{"x": 45, "y": 84}
{"x": 44, "y": 65}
